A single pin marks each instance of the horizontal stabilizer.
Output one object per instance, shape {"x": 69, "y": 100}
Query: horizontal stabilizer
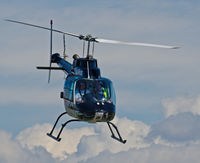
{"x": 50, "y": 68}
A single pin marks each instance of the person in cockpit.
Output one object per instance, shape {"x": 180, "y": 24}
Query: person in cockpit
{"x": 80, "y": 92}
{"x": 101, "y": 92}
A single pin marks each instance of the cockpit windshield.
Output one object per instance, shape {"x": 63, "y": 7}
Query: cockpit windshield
{"x": 94, "y": 90}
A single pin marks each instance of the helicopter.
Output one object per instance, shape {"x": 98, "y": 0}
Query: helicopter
{"x": 87, "y": 95}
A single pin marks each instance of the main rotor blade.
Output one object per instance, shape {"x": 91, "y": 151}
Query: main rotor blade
{"x": 37, "y": 26}
{"x": 98, "y": 40}
{"x": 134, "y": 43}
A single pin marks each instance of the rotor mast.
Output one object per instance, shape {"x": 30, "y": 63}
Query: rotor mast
{"x": 89, "y": 39}
{"x": 88, "y": 50}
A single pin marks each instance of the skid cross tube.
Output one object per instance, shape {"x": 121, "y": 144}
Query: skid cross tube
{"x": 113, "y": 135}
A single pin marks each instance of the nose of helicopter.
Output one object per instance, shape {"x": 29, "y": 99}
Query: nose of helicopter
{"x": 97, "y": 112}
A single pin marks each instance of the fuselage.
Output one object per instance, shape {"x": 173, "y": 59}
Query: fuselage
{"x": 87, "y": 96}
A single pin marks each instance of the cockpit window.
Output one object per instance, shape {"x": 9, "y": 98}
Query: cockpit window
{"x": 68, "y": 89}
{"x": 94, "y": 91}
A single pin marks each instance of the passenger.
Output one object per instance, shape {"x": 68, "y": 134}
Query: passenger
{"x": 102, "y": 93}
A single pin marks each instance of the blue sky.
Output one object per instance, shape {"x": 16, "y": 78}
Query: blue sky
{"x": 154, "y": 86}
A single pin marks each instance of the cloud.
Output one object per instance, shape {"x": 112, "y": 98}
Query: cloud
{"x": 175, "y": 138}
{"x": 160, "y": 142}
{"x": 133, "y": 131}
{"x": 12, "y": 152}
{"x": 36, "y": 137}
{"x": 76, "y": 144}
{"x": 75, "y": 141}
{"x": 152, "y": 154}
{"x": 180, "y": 128}
{"x": 181, "y": 104}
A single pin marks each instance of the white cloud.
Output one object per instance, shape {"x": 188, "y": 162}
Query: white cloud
{"x": 36, "y": 137}
{"x": 181, "y": 104}
{"x": 152, "y": 154}
{"x": 177, "y": 139}
{"x": 12, "y": 152}
{"x": 75, "y": 141}
{"x": 133, "y": 131}
{"x": 76, "y": 144}
{"x": 181, "y": 128}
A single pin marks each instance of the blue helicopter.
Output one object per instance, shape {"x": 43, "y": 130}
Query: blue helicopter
{"x": 87, "y": 95}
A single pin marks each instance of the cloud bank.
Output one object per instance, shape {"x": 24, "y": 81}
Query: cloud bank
{"x": 175, "y": 139}
{"x": 181, "y": 104}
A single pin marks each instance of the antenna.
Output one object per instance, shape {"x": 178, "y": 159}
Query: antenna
{"x": 51, "y": 24}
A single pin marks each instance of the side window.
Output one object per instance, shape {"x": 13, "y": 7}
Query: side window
{"x": 68, "y": 90}
{"x": 113, "y": 96}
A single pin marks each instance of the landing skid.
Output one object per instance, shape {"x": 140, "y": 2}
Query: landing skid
{"x": 57, "y": 138}
{"x": 119, "y": 138}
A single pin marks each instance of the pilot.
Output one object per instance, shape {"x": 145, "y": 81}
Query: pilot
{"x": 80, "y": 92}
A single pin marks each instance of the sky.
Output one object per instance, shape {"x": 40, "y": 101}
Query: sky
{"x": 158, "y": 91}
